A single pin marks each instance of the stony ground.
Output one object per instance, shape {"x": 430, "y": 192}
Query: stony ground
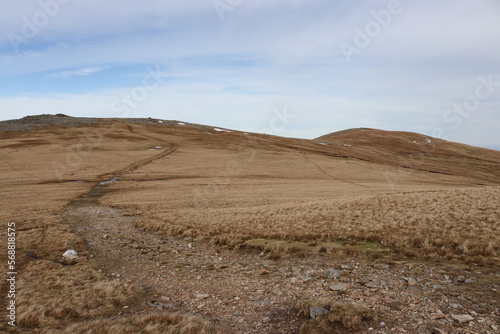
{"x": 253, "y": 294}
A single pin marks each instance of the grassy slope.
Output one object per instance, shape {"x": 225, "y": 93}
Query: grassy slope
{"x": 33, "y": 177}
{"x": 271, "y": 187}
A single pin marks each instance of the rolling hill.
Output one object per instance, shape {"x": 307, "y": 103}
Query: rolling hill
{"x": 191, "y": 228}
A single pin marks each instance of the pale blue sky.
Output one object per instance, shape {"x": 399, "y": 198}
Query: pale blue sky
{"x": 431, "y": 67}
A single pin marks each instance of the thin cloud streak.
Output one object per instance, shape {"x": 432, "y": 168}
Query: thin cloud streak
{"x": 80, "y": 72}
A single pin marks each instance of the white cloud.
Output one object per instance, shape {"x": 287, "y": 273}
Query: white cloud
{"x": 265, "y": 54}
{"x": 80, "y": 72}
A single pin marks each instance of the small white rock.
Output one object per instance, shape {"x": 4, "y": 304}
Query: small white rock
{"x": 70, "y": 254}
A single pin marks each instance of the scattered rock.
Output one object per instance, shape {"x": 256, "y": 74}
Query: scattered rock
{"x": 412, "y": 281}
{"x": 201, "y": 296}
{"x": 414, "y": 292}
{"x": 70, "y": 254}
{"x": 462, "y": 317}
{"x": 381, "y": 266}
{"x": 338, "y": 287}
{"x": 333, "y": 273}
{"x": 436, "y": 316}
{"x": 439, "y": 287}
{"x": 438, "y": 331}
{"x": 263, "y": 271}
{"x": 315, "y": 311}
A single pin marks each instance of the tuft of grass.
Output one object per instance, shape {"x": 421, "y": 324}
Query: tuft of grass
{"x": 160, "y": 323}
{"x": 456, "y": 224}
{"x": 345, "y": 315}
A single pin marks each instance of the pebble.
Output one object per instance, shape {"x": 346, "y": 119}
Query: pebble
{"x": 412, "y": 281}
{"x": 435, "y": 316}
{"x": 263, "y": 271}
{"x": 201, "y": 296}
{"x": 414, "y": 292}
{"x": 462, "y": 317}
{"x": 333, "y": 273}
{"x": 338, "y": 287}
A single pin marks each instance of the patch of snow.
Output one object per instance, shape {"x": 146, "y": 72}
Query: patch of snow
{"x": 222, "y": 130}
{"x": 180, "y": 123}
{"x": 160, "y": 121}
{"x": 110, "y": 181}
{"x": 347, "y": 145}
{"x": 158, "y": 147}
{"x": 428, "y": 140}
{"x": 151, "y": 149}
{"x": 414, "y": 141}
{"x": 323, "y": 143}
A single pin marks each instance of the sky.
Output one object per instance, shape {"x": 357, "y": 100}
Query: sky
{"x": 295, "y": 68}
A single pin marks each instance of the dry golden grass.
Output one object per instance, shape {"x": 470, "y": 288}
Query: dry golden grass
{"x": 50, "y": 296}
{"x": 54, "y": 155}
{"x": 231, "y": 188}
{"x": 260, "y": 189}
{"x": 68, "y": 293}
{"x": 163, "y": 323}
{"x": 447, "y": 223}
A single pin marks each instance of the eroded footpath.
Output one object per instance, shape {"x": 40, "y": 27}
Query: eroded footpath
{"x": 250, "y": 293}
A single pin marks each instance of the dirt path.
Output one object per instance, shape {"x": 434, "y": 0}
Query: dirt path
{"x": 254, "y": 294}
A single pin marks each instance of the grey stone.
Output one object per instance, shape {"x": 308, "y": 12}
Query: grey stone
{"x": 333, "y": 273}
{"x": 338, "y": 287}
{"x": 412, "y": 281}
{"x": 462, "y": 317}
{"x": 315, "y": 311}
{"x": 414, "y": 292}
{"x": 201, "y": 296}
